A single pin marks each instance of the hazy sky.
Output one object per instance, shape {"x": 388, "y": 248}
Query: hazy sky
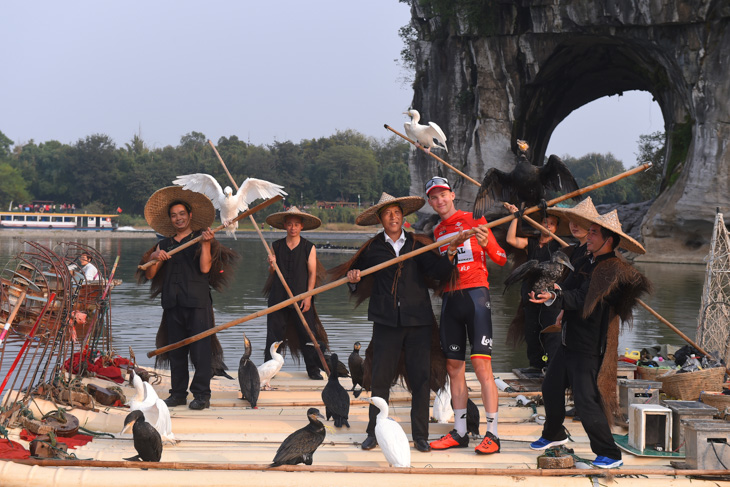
{"x": 264, "y": 71}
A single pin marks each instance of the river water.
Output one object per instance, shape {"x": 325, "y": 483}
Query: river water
{"x": 135, "y": 317}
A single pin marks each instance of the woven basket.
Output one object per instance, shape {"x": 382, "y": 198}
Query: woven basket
{"x": 650, "y": 373}
{"x": 689, "y": 385}
{"x": 719, "y": 401}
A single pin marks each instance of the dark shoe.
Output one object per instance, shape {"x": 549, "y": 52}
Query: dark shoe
{"x": 421, "y": 445}
{"x": 315, "y": 375}
{"x": 173, "y": 401}
{"x": 198, "y": 403}
{"x": 369, "y": 443}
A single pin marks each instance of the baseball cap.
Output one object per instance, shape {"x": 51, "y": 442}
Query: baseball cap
{"x": 437, "y": 182}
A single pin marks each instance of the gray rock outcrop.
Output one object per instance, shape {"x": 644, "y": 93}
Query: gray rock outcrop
{"x": 515, "y": 70}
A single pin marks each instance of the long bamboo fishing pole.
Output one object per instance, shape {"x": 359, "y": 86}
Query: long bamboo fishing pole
{"x": 246, "y": 213}
{"x": 510, "y": 472}
{"x": 278, "y": 271}
{"x": 370, "y": 270}
{"x": 529, "y": 220}
{"x": 673, "y": 328}
{"x": 11, "y": 317}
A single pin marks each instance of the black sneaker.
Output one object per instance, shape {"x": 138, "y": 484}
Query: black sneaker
{"x": 198, "y": 403}
{"x": 173, "y": 401}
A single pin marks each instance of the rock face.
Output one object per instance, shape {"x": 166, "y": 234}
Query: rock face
{"x": 515, "y": 70}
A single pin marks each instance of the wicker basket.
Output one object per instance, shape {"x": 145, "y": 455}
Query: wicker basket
{"x": 650, "y": 373}
{"x": 689, "y": 385}
{"x": 719, "y": 401}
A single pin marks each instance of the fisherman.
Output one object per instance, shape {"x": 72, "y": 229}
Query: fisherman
{"x": 296, "y": 258}
{"x": 466, "y": 312}
{"x": 184, "y": 280}
{"x": 596, "y": 297}
{"x": 532, "y": 319}
{"x": 91, "y": 273}
{"x": 576, "y": 227}
{"x": 400, "y": 306}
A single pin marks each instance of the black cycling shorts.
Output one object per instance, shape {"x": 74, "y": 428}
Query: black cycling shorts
{"x": 466, "y": 314}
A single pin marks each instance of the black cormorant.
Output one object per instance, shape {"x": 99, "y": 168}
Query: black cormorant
{"x": 540, "y": 276}
{"x": 335, "y": 397}
{"x": 472, "y": 418}
{"x": 356, "y": 371}
{"x": 526, "y": 183}
{"x": 299, "y": 446}
{"x": 248, "y": 375}
{"x": 147, "y": 440}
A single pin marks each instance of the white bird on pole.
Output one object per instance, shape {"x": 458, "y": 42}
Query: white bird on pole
{"x": 390, "y": 435}
{"x": 224, "y": 200}
{"x": 426, "y": 136}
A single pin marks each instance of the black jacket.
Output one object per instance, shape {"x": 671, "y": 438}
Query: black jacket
{"x": 411, "y": 302}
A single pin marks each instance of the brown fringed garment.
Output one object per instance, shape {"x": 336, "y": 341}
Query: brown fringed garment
{"x": 363, "y": 292}
{"x": 292, "y": 337}
{"x": 219, "y": 277}
{"x": 625, "y": 285}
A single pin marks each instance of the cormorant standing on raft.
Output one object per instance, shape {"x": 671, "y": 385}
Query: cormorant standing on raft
{"x": 355, "y": 362}
{"x": 299, "y": 447}
{"x": 335, "y": 397}
{"x": 147, "y": 440}
{"x": 248, "y": 375}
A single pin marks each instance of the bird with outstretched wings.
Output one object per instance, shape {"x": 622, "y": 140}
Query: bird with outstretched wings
{"x": 526, "y": 183}
{"x": 228, "y": 204}
{"x": 426, "y": 136}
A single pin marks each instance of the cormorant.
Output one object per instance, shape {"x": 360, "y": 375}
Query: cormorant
{"x": 147, "y": 440}
{"x": 248, "y": 376}
{"x": 526, "y": 183}
{"x": 335, "y": 397}
{"x": 472, "y": 418}
{"x": 270, "y": 368}
{"x": 390, "y": 435}
{"x": 299, "y": 446}
{"x": 540, "y": 276}
{"x": 341, "y": 368}
{"x": 356, "y": 371}
{"x": 425, "y": 136}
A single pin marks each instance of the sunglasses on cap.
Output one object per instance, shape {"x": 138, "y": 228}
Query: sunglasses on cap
{"x": 437, "y": 182}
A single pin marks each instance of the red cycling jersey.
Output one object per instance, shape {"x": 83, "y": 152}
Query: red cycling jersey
{"x": 472, "y": 257}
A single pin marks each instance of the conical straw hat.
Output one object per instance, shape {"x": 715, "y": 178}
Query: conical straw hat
{"x": 278, "y": 220}
{"x": 585, "y": 208}
{"x": 156, "y": 209}
{"x": 610, "y": 221}
{"x": 408, "y": 204}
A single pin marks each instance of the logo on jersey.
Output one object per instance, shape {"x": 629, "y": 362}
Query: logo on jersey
{"x": 488, "y": 305}
{"x": 487, "y": 342}
{"x": 458, "y": 224}
{"x": 455, "y": 348}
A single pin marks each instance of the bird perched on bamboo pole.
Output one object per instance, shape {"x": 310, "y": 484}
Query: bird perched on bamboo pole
{"x": 270, "y": 368}
{"x": 526, "y": 183}
{"x": 540, "y": 276}
{"x": 299, "y": 447}
{"x": 335, "y": 397}
{"x": 390, "y": 435}
{"x": 248, "y": 375}
{"x": 227, "y": 203}
{"x": 426, "y": 136}
{"x": 147, "y": 440}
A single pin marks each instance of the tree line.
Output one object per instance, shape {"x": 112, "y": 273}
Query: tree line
{"x": 96, "y": 175}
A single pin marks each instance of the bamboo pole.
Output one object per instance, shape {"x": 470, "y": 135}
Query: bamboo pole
{"x": 383, "y": 265}
{"x": 673, "y": 328}
{"x": 529, "y": 220}
{"x": 509, "y": 472}
{"x": 12, "y": 315}
{"x": 246, "y": 213}
{"x": 277, "y": 270}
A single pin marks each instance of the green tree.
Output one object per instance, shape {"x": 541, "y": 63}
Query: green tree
{"x": 12, "y": 185}
{"x": 651, "y": 150}
{"x": 343, "y": 172}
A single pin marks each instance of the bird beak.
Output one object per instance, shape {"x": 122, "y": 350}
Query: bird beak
{"x": 569, "y": 266}
{"x": 127, "y": 427}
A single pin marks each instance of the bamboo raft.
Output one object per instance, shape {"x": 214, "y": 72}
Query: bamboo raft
{"x": 218, "y": 442}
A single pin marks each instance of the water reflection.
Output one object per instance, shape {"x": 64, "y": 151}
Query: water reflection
{"x": 136, "y": 317}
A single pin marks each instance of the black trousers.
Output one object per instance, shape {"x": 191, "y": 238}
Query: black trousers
{"x": 580, "y": 371}
{"x": 183, "y": 323}
{"x": 537, "y": 318}
{"x": 276, "y": 323}
{"x": 388, "y": 342}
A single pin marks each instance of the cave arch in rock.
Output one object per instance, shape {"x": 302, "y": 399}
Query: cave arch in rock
{"x": 584, "y": 70}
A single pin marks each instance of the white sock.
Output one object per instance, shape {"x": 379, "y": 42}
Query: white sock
{"x": 460, "y": 421}
{"x": 492, "y": 423}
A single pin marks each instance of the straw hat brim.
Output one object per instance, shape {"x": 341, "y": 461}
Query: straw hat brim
{"x": 408, "y": 204}
{"x": 584, "y": 208}
{"x": 156, "y": 209}
{"x": 626, "y": 242}
{"x": 278, "y": 220}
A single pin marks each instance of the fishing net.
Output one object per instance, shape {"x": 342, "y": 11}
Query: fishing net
{"x": 713, "y": 327}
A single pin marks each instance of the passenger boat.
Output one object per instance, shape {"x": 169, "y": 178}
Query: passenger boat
{"x": 67, "y": 221}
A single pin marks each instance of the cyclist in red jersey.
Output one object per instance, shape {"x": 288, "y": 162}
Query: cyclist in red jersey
{"x": 466, "y": 313}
